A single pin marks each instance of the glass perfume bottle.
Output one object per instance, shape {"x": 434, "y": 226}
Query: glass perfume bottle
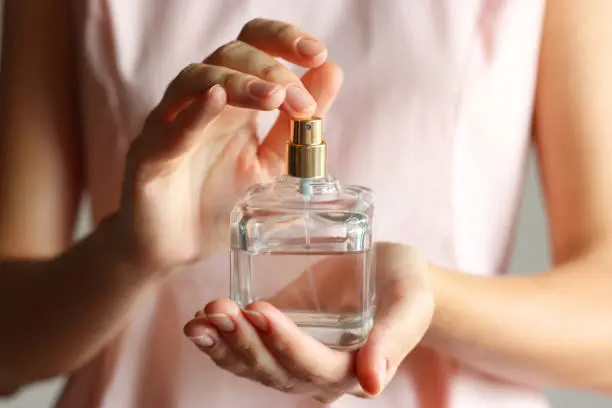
{"x": 304, "y": 243}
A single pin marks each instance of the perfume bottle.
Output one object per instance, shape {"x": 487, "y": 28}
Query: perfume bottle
{"x": 304, "y": 243}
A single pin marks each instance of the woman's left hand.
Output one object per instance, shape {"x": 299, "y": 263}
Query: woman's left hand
{"x": 264, "y": 345}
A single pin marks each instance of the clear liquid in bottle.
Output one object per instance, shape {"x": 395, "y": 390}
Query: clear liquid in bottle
{"x": 327, "y": 303}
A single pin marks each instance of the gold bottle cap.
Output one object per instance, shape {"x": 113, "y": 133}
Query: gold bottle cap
{"x": 307, "y": 151}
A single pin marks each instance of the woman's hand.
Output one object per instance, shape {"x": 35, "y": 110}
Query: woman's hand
{"x": 262, "y": 344}
{"x": 199, "y": 149}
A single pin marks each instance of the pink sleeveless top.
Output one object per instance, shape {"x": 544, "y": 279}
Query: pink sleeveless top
{"x": 434, "y": 116}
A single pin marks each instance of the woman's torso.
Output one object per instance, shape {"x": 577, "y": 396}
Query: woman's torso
{"x": 434, "y": 116}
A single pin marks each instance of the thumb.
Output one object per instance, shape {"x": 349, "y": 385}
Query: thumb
{"x": 403, "y": 316}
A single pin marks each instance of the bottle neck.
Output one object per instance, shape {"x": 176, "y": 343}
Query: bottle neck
{"x": 316, "y": 186}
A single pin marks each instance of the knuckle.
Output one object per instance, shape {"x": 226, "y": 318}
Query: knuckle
{"x": 223, "y": 362}
{"x": 225, "y": 51}
{"x": 206, "y": 74}
{"x": 231, "y": 47}
{"x": 233, "y": 81}
{"x": 251, "y": 25}
{"x": 194, "y": 66}
{"x": 266, "y": 381}
{"x": 179, "y": 81}
{"x": 309, "y": 377}
{"x": 188, "y": 71}
{"x": 251, "y": 357}
{"x": 246, "y": 349}
{"x": 282, "y": 385}
{"x": 221, "y": 357}
{"x": 240, "y": 370}
{"x": 212, "y": 74}
{"x": 314, "y": 379}
{"x": 287, "y": 32}
{"x": 257, "y": 366}
{"x": 284, "y": 31}
{"x": 275, "y": 72}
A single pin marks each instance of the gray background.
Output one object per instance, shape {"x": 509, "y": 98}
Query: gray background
{"x": 530, "y": 255}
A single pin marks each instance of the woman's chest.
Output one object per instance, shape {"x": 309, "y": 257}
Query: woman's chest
{"x": 433, "y": 94}
{"x": 404, "y": 63}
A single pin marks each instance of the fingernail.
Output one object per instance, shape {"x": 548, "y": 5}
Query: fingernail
{"x": 257, "y": 319}
{"x": 310, "y": 48}
{"x": 215, "y": 91}
{"x": 261, "y": 89}
{"x": 203, "y": 340}
{"x": 214, "y": 88}
{"x": 222, "y": 321}
{"x": 382, "y": 372}
{"x": 299, "y": 99}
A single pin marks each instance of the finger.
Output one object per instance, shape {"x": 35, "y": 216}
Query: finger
{"x": 242, "y": 90}
{"x": 402, "y": 317}
{"x": 244, "y": 341}
{"x": 160, "y": 146}
{"x": 326, "y": 397}
{"x": 284, "y": 40}
{"x": 323, "y": 83}
{"x": 183, "y": 133}
{"x": 243, "y": 57}
{"x": 206, "y": 338}
{"x": 301, "y": 355}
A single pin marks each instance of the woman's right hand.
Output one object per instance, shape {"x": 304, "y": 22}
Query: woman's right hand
{"x": 199, "y": 150}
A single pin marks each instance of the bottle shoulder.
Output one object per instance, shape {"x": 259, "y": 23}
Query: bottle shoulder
{"x": 292, "y": 216}
{"x": 312, "y": 195}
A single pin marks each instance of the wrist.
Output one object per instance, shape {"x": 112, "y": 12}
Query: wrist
{"x": 122, "y": 249}
{"x": 439, "y": 280}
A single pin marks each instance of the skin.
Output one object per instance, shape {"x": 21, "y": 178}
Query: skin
{"x": 547, "y": 329}
{"x": 556, "y": 329}
{"x": 60, "y": 304}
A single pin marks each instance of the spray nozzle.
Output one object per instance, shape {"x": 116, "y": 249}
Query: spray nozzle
{"x": 306, "y": 151}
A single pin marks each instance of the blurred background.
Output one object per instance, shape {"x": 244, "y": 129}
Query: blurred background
{"x": 529, "y": 255}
